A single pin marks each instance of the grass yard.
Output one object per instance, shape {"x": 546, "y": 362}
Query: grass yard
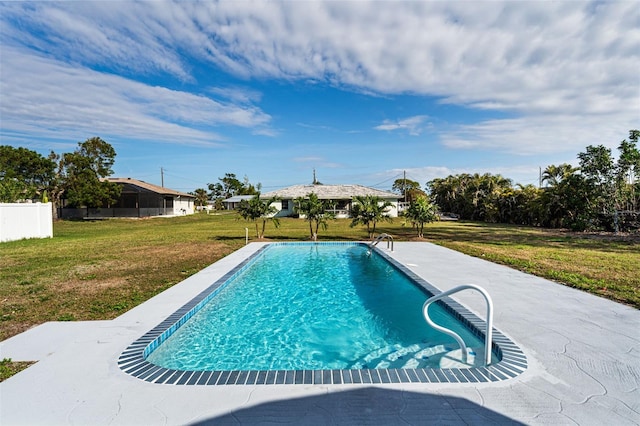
{"x": 95, "y": 270}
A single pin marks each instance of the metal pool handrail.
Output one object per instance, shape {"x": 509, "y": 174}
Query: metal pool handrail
{"x": 379, "y": 238}
{"x": 489, "y": 321}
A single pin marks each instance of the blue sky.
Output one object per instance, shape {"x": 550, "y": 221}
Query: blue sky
{"x": 359, "y": 91}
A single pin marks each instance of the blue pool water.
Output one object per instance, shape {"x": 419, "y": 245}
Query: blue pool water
{"x": 313, "y": 307}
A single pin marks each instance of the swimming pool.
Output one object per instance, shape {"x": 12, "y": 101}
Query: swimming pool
{"x": 315, "y": 313}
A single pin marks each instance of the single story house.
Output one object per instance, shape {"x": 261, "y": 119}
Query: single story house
{"x": 138, "y": 199}
{"x": 233, "y": 202}
{"x": 341, "y": 195}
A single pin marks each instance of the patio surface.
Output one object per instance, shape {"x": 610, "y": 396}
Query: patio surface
{"x": 583, "y": 356}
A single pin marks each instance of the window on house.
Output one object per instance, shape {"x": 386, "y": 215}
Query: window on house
{"x": 285, "y": 204}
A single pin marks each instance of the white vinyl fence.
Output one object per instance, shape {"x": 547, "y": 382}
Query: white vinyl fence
{"x": 20, "y": 221}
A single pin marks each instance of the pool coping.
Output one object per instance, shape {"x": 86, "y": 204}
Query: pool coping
{"x": 133, "y": 361}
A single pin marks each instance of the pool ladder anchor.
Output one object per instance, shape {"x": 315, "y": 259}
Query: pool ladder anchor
{"x": 379, "y": 238}
{"x": 489, "y": 321}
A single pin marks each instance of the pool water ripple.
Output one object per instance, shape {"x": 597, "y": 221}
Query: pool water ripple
{"x": 306, "y": 313}
{"x": 313, "y": 307}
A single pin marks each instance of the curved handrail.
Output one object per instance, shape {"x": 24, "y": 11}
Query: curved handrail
{"x": 379, "y": 238}
{"x": 489, "y": 321}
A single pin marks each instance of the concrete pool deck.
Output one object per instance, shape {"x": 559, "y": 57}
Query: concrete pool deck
{"x": 583, "y": 356}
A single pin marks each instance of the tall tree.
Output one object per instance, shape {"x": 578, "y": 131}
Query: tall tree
{"x": 409, "y": 189}
{"x": 257, "y": 210}
{"x": 553, "y": 174}
{"x": 421, "y": 211}
{"x": 315, "y": 212}
{"x": 473, "y": 197}
{"x": 24, "y": 174}
{"x": 83, "y": 173}
{"x": 598, "y": 170}
{"x": 369, "y": 210}
{"x": 229, "y": 186}
{"x": 628, "y": 173}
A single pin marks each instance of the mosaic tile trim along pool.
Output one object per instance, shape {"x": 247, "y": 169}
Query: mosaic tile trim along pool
{"x": 133, "y": 359}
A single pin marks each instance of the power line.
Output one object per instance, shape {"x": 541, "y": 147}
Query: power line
{"x": 387, "y": 180}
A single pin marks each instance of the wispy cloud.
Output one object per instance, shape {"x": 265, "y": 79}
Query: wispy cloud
{"x": 308, "y": 159}
{"x": 413, "y": 125}
{"x": 41, "y": 97}
{"x": 243, "y": 95}
{"x": 561, "y": 70}
{"x": 539, "y": 134}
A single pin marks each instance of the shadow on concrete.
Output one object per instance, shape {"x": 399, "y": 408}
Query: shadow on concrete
{"x": 366, "y": 406}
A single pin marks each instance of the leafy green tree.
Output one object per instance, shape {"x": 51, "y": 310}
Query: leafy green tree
{"x": 369, "y": 210}
{"x": 410, "y": 189}
{"x": 421, "y": 211}
{"x": 592, "y": 196}
{"x": 528, "y": 206}
{"x": 315, "y": 212}
{"x": 448, "y": 193}
{"x": 83, "y": 172}
{"x": 24, "y": 174}
{"x": 12, "y": 190}
{"x": 473, "y": 197}
{"x": 248, "y": 188}
{"x": 257, "y": 210}
{"x": 599, "y": 171}
{"x": 229, "y": 186}
{"x": 628, "y": 173}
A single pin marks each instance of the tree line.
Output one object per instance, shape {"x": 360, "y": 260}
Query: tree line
{"x": 602, "y": 193}
{"x": 227, "y": 186}
{"x": 78, "y": 175}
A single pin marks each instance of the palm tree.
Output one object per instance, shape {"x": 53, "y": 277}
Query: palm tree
{"x": 202, "y": 198}
{"x": 256, "y": 209}
{"x": 315, "y": 212}
{"x": 553, "y": 174}
{"x": 421, "y": 211}
{"x": 369, "y": 210}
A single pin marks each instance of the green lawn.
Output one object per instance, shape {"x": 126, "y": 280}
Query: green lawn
{"x": 95, "y": 270}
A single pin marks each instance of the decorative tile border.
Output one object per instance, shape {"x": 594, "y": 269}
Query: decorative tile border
{"x": 133, "y": 359}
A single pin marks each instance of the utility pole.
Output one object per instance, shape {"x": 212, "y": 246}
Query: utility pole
{"x": 161, "y": 177}
{"x": 404, "y": 185}
{"x": 539, "y": 177}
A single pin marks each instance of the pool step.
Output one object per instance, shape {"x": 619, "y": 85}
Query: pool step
{"x": 453, "y": 359}
{"x": 419, "y": 356}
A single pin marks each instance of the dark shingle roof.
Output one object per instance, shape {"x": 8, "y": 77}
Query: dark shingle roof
{"x": 149, "y": 187}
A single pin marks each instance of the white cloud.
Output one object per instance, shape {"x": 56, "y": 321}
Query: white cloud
{"x": 308, "y": 159}
{"x": 41, "y": 97}
{"x": 565, "y": 72}
{"x": 413, "y": 125}
{"x": 541, "y": 134}
{"x": 237, "y": 94}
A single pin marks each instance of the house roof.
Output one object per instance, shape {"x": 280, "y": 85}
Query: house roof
{"x": 149, "y": 187}
{"x": 329, "y": 192}
{"x": 238, "y": 198}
